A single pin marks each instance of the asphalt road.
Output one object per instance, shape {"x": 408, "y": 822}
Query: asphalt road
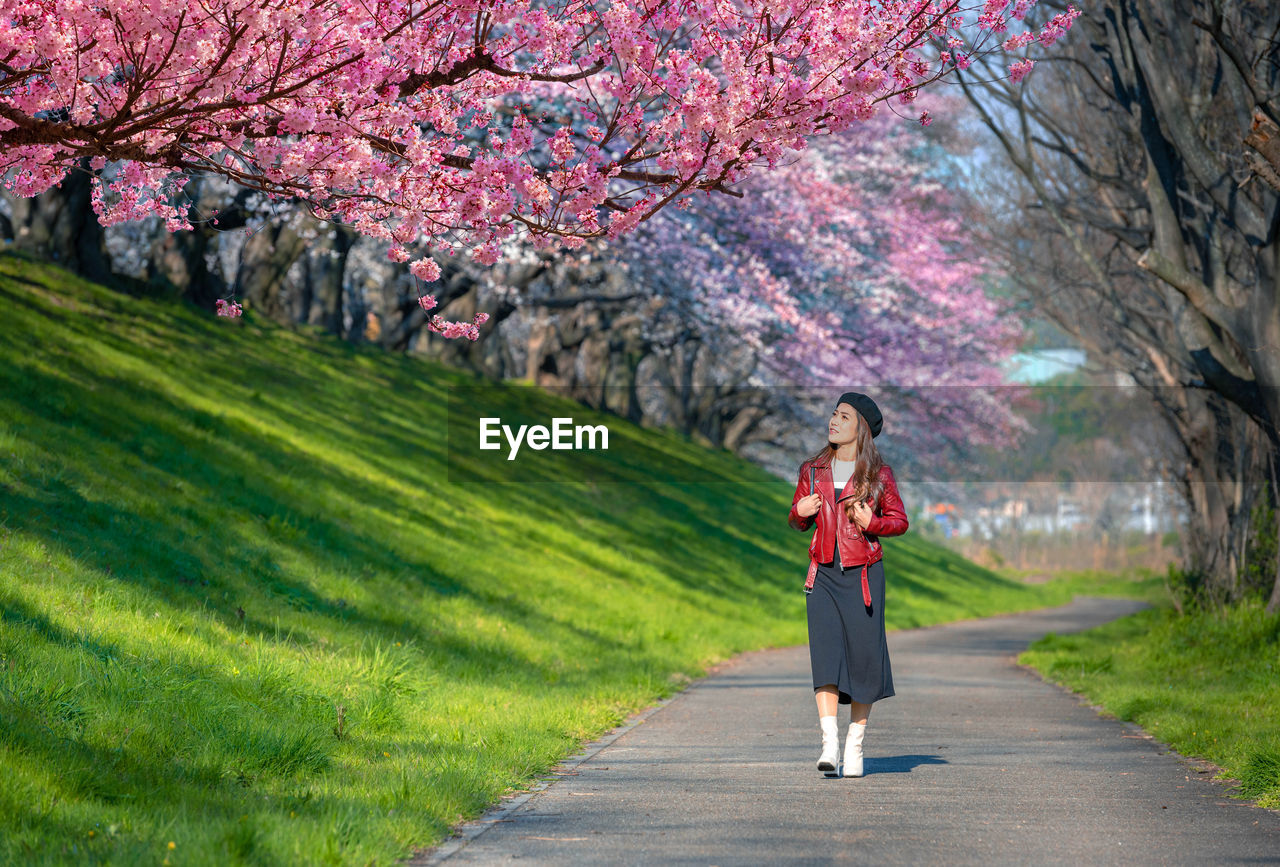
{"x": 974, "y": 761}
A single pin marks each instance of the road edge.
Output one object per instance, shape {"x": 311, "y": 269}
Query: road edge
{"x": 464, "y": 833}
{"x": 1195, "y": 763}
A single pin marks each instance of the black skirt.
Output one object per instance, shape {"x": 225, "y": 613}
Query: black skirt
{"x": 847, "y": 644}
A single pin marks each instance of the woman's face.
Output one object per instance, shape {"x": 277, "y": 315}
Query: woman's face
{"x": 843, "y": 425}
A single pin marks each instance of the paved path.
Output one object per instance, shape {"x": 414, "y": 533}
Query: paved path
{"x": 975, "y": 760}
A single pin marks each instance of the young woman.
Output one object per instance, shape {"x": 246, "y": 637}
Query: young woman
{"x": 853, "y": 499}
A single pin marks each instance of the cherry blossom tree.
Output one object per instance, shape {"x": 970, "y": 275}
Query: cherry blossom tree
{"x": 455, "y": 123}
{"x": 850, "y": 264}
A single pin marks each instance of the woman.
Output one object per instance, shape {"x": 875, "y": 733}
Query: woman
{"x": 850, "y": 493}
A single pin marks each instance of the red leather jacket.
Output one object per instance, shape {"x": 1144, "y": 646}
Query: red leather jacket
{"x": 889, "y": 518}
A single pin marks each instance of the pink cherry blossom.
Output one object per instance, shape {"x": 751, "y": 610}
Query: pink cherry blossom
{"x": 1057, "y": 26}
{"x": 456, "y": 122}
{"x": 851, "y": 264}
{"x": 425, "y": 270}
{"x": 1019, "y": 70}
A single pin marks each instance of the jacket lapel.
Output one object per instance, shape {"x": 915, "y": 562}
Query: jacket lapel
{"x": 845, "y": 493}
{"x": 824, "y": 483}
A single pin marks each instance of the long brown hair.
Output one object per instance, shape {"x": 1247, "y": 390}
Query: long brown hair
{"x": 866, "y": 479}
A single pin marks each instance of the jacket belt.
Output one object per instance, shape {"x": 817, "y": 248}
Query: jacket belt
{"x": 866, "y": 587}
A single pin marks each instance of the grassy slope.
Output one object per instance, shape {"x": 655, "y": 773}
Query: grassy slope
{"x": 1207, "y": 684}
{"x": 214, "y": 535}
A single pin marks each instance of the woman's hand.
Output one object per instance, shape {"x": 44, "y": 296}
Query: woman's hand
{"x": 806, "y": 506}
{"x": 862, "y": 514}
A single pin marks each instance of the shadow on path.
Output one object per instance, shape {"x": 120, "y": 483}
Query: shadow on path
{"x": 899, "y": 764}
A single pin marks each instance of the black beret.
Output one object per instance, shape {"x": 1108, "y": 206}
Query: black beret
{"x": 866, "y": 407}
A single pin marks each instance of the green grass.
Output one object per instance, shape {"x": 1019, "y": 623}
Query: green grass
{"x": 244, "y": 612}
{"x": 1207, "y": 684}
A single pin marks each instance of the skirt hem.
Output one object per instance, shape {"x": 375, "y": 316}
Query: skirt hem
{"x": 846, "y": 698}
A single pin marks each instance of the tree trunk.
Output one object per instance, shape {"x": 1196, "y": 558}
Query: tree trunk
{"x": 60, "y": 225}
{"x": 325, "y": 268}
{"x": 265, "y": 261}
{"x": 180, "y": 259}
{"x": 1273, "y": 604}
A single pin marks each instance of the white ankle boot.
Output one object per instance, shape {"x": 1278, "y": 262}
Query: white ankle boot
{"x": 830, "y": 746}
{"x": 853, "y": 749}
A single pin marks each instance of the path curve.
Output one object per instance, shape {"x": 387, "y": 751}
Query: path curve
{"x": 975, "y": 760}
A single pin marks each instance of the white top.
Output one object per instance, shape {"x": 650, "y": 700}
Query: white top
{"x": 841, "y": 471}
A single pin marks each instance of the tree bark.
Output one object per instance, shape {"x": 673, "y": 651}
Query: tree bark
{"x": 60, "y": 225}
{"x": 324, "y": 273}
{"x": 266, "y": 258}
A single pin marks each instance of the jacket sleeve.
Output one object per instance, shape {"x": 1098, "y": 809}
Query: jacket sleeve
{"x": 802, "y": 490}
{"x": 892, "y": 520}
